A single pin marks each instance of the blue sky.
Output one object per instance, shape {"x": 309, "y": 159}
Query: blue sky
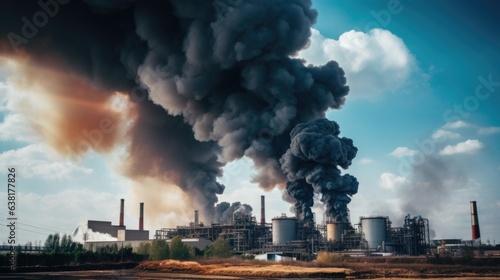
{"x": 422, "y": 110}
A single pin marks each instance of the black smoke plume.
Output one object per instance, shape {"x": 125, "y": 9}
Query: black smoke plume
{"x": 211, "y": 82}
{"x": 312, "y": 165}
{"x": 224, "y": 211}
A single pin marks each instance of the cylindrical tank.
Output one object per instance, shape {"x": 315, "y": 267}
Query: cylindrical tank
{"x": 284, "y": 230}
{"x": 334, "y": 231}
{"x": 375, "y": 230}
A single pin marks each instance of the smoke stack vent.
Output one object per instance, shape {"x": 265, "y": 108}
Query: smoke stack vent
{"x": 122, "y": 206}
{"x": 474, "y": 221}
{"x": 196, "y": 218}
{"x": 141, "y": 216}
{"x": 262, "y": 210}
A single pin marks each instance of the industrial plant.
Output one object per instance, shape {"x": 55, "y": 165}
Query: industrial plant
{"x": 298, "y": 239}
{"x": 287, "y": 237}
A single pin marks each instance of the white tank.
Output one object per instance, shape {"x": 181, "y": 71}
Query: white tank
{"x": 284, "y": 230}
{"x": 375, "y": 230}
{"x": 334, "y": 231}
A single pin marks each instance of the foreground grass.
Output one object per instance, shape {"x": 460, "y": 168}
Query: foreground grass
{"x": 329, "y": 266}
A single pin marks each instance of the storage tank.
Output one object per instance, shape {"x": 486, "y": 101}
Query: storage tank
{"x": 375, "y": 230}
{"x": 335, "y": 230}
{"x": 284, "y": 229}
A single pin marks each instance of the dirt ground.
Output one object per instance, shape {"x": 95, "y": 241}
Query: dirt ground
{"x": 241, "y": 269}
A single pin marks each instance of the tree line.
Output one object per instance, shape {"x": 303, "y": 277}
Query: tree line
{"x": 63, "y": 250}
{"x": 160, "y": 250}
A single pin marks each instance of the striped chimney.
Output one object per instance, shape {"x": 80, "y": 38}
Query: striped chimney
{"x": 474, "y": 221}
{"x": 141, "y": 216}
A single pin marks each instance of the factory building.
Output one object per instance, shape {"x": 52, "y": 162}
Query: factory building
{"x": 124, "y": 237}
{"x": 292, "y": 238}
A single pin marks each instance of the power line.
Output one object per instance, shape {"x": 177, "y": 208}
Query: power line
{"x": 43, "y": 228}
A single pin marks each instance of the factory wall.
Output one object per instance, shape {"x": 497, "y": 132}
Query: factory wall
{"x": 131, "y": 235}
{"x": 104, "y": 227}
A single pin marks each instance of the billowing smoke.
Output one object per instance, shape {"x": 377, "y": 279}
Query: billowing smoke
{"x": 432, "y": 182}
{"x": 224, "y": 211}
{"x": 208, "y": 82}
{"x": 312, "y": 165}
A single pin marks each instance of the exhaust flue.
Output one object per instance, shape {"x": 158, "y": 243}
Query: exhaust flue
{"x": 474, "y": 221}
{"x": 122, "y": 206}
{"x": 263, "y": 210}
{"x": 141, "y": 216}
{"x": 196, "y": 218}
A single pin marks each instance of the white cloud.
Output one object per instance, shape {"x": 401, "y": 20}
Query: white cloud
{"x": 443, "y": 135}
{"x": 467, "y": 147}
{"x": 456, "y": 124}
{"x": 391, "y": 181}
{"x": 15, "y": 127}
{"x": 488, "y": 130}
{"x": 365, "y": 161}
{"x": 498, "y": 203}
{"x": 37, "y": 160}
{"x": 402, "y": 152}
{"x": 374, "y": 62}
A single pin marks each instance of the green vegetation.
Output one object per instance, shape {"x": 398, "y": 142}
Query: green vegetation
{"x": 64, "y": 251}
{"x": 55, "y": 244}
{"x": 156, "y": 250}
{"x": 178, "y": 250}
{"x": 220, "y": 249}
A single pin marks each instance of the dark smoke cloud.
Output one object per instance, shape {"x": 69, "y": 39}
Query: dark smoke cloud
{"x": 218, "y": 75}
{"x": 224, "y": 211}
{"x": 312, "y": 165}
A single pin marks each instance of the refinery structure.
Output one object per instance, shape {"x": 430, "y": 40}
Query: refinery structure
{"x": 298, "y": 239}
{"x": 289, "y": 237}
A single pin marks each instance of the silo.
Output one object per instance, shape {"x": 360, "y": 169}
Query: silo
{"x": 284, "y": 230}
{"x": 375, "y": 230}
{"x": 335, "y": 230}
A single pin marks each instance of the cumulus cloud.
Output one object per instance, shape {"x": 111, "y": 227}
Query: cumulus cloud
{"x": 488, "y": 130}
{"x": 443, "y": 135}
{"x": 402, "y": 152}
{"x": 15, "y": 127}
{"x": 374, "y": 62}
{"x": 456, "y": 125}
{"x": 467, "y": 147}
{"x": 37, "y": 160}
{"x": 390, "y": 181}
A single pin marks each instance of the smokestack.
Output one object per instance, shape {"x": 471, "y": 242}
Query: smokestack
{"x": 122, "y": 206}
{"x": 474, "y": 221}
{"x": 196, "y": 218}
{"x": 262, "y": 210}
{"x": 141, "y": 216}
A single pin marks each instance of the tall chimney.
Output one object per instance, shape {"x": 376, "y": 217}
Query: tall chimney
{"x": 196, "y": 218}
{"x": 122, "y": 206}
{"x": 474, "y": 221}
{"x": 262, "y": 210}
{"x": 141, "y": 216}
